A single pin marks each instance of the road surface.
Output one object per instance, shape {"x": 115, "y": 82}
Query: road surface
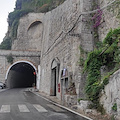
{"x": 19, "y": 104}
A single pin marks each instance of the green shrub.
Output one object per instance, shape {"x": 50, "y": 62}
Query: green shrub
{"x": 106, "y": 55}
{"x": 6, "y": 44}
{"x": 114, "y": 107}
{"x": 17, "y": 14}
{"x": 10, "y": 58}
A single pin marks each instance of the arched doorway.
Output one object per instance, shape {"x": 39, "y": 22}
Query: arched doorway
{"x": 55, "y": 66}
{"x": 21, "y": 74}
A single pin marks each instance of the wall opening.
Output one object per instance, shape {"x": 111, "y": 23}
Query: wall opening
{"x": 21, "y": 75}
{"x": 53, "y": 82}
{"x": 64, "y": 83}
{"x": 54, "y": 77}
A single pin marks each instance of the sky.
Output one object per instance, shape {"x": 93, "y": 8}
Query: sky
{"x": 6, "y": 6}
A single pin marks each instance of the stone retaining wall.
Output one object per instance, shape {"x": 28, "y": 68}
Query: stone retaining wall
{"x": 111, "y": 94}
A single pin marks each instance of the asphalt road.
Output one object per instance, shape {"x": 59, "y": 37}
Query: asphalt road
{"x": 19, "y": 104}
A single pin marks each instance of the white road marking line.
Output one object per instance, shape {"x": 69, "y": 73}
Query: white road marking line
{"x": 5, "y": 109}
{"x": 57, "y": 109}
{"x": 39, "y": 108}
{"x": 23, "y": 108}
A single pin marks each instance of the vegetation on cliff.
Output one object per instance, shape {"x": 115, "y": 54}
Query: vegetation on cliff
{"x": 6, "y": 43}
{"x": 38, "y": 5}
{"x": 22, "y": 8}
{"x": 106, "y": 55}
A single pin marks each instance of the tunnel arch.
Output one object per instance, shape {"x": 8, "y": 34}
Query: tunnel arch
{"x": 21, "y": 74}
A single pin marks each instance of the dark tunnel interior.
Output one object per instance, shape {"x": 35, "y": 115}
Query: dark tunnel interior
{"x": 21, "y": 75}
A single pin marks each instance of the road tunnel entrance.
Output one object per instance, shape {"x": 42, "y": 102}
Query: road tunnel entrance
{"x": 20, "y": 75}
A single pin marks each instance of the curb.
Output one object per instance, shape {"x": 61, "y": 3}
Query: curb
{"x": 61, "y": 106}
{"x": 4, "y": 90}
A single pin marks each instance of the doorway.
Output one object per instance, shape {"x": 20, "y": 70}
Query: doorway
{"x": 54, "y": 77}
{"x": 53, "y": 82}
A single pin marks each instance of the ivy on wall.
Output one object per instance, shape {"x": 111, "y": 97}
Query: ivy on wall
{"x": 106, "y": 55}
{"x": 10, "y": 58}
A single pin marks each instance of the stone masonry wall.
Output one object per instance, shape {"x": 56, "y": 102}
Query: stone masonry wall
{"x": 111, "y": 94}
{"x": 64, "y": 32}
{"x": 29, "y": 33}
{"x": 58, "y": 34}
{"x": 109, "y": 19}
{"x": 58, "y": 44}
{"x": 30, "y": 56}
{"x": 3, "y": 67}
